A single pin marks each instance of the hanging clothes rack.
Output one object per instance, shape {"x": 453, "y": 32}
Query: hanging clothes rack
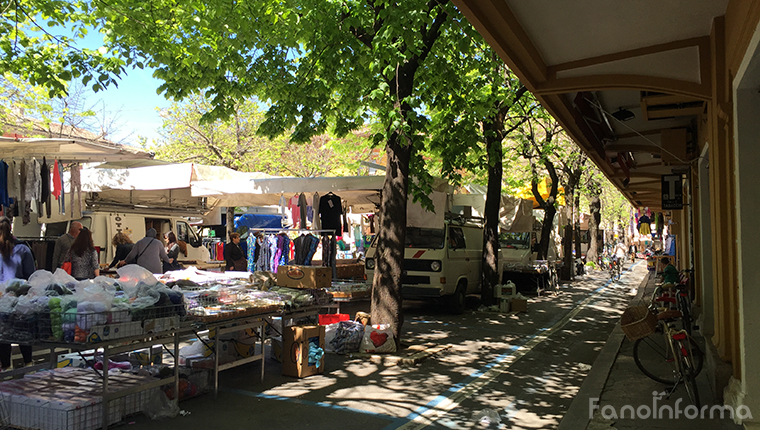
{"x": 333, "y": 241}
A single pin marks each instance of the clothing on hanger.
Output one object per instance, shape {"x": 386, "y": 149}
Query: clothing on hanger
{"x": 330, "y": 211}
{"x": 316, "y": 223}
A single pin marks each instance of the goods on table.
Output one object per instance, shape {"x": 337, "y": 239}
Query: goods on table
{"x": 349, "y": 290}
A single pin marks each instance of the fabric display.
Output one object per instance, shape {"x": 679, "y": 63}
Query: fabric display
{"x": 644, "y": 225}
{"x": 215, "y": 249}
{"x": 28, "y": 186}
{"x": 271, "y": 251}
{"x": 57, "y": 307}
{"x": 329, "y": 245}
{"x": 305, "y": 248}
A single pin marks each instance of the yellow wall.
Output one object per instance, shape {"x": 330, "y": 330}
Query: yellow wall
{"x": 730, "y": 38}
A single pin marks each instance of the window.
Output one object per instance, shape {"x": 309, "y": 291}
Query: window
{"x": 431, "y": 238}
{"x": 456, "y": 238}
{"x": 56, "y": 229}
{"x": 520, "y": 240}
{"x": 186, "y": 234}
{"x": 182, "y": 232}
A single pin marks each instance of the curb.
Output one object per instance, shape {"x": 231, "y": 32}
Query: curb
{"x": 577, "y": 416}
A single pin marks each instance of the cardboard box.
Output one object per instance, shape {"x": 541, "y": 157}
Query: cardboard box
{"x": 350, "y": 271}
{"x": 163, "y": 324}
{"x": 295, "y": 350}
{"x": 304, "y": 276}
{"x": 101, "y": 333}
{"x": 519, "y": 305}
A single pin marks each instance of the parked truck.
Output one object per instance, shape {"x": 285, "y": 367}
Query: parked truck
{"x": 41, "y": 236}
{"x": 440, "y": 263}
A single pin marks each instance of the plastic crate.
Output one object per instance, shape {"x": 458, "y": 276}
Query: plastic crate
{"x": 332, "y": 318}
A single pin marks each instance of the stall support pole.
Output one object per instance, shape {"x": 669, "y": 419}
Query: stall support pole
{"x": 105, "y": 388}
{"x": 176, "y": 367}
{"x": 216, "y": 362}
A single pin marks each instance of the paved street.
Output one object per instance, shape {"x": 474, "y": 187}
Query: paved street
{"x": 510, "y": 370}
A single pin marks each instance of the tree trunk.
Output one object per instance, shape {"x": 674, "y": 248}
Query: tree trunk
{"x": 567, "y": 240}
{"x": 593, "y": 228}
{"x": 389, "y": 258}
{"x": 549, "y": 210}
{"x": 230, "y": 221}
{"x": 577, "y": 224}
{"x": 490, "y": 273}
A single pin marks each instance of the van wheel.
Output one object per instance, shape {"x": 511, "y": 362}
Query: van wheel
{"x": 457, "y": 300}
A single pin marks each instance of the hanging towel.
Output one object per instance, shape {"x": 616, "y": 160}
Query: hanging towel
{"x": 56, "y": 181}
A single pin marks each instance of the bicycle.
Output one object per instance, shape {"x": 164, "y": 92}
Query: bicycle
{"x": 677, "y": 295}
{"x": 670, "y": 356}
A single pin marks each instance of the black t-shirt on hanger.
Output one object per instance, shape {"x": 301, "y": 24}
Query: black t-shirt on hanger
{"x": 330, "y": 210}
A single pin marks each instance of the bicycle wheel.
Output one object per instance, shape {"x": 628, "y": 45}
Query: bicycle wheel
{"x": 688, "y": 372}
{"x": 654, "y": 357}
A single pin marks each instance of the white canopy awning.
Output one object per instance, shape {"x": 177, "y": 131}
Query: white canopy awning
{"x": 515, "y": 214}
{"x": 361, "y": 193}
{"x": 69, "y": 150}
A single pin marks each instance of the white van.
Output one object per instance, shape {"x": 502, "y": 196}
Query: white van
{"x": 104, "y": 225}
{"x": 443, "y": 262}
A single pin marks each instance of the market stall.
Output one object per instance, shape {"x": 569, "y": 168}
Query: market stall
{"x": 112, "y": 317}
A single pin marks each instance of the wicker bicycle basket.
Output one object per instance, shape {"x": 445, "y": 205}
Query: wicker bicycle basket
{"x": 637, "y": 322}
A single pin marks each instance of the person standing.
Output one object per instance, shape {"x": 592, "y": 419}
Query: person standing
{"x": 148, "y": 252}
{"x": 123, "y": 245}
{"x": 233, "y": 255}
{"x": 83, "y": 257}
{"x": 63, "y": 244}
{"x": 16, "y": 262}
{"x": 172, "y": 250}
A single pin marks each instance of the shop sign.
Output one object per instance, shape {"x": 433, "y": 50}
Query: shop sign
{"x": 672, "y": 192}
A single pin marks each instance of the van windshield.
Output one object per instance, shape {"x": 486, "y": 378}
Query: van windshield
{"x": 515, "y": 240}
{"x": 431, "y": 238}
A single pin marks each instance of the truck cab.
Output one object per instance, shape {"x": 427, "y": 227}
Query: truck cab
{"x": 439, "y": 262}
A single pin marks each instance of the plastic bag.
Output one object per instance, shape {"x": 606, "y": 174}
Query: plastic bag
{"x": 330, "y": 331}
{"x": 378, "y": 338}
{"x": 7, "y": 302}
{"x": 348, "y": 337}
{"x": 40, "y": 280}
{"x": 95, "y": 290}
{"x": 90, "y": 314}
{"x": 159, "y": 406}
{"x": 64, "y": 278}
{"x": 131, "y": 275}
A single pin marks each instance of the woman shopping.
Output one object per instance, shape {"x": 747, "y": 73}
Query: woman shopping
{"x": 16, "y": 262}
{"x": 172, "y": 250}
{"x": 234, "y": 258}
{"x": 83, "y": 257}
{"x": 123, "y": 245}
